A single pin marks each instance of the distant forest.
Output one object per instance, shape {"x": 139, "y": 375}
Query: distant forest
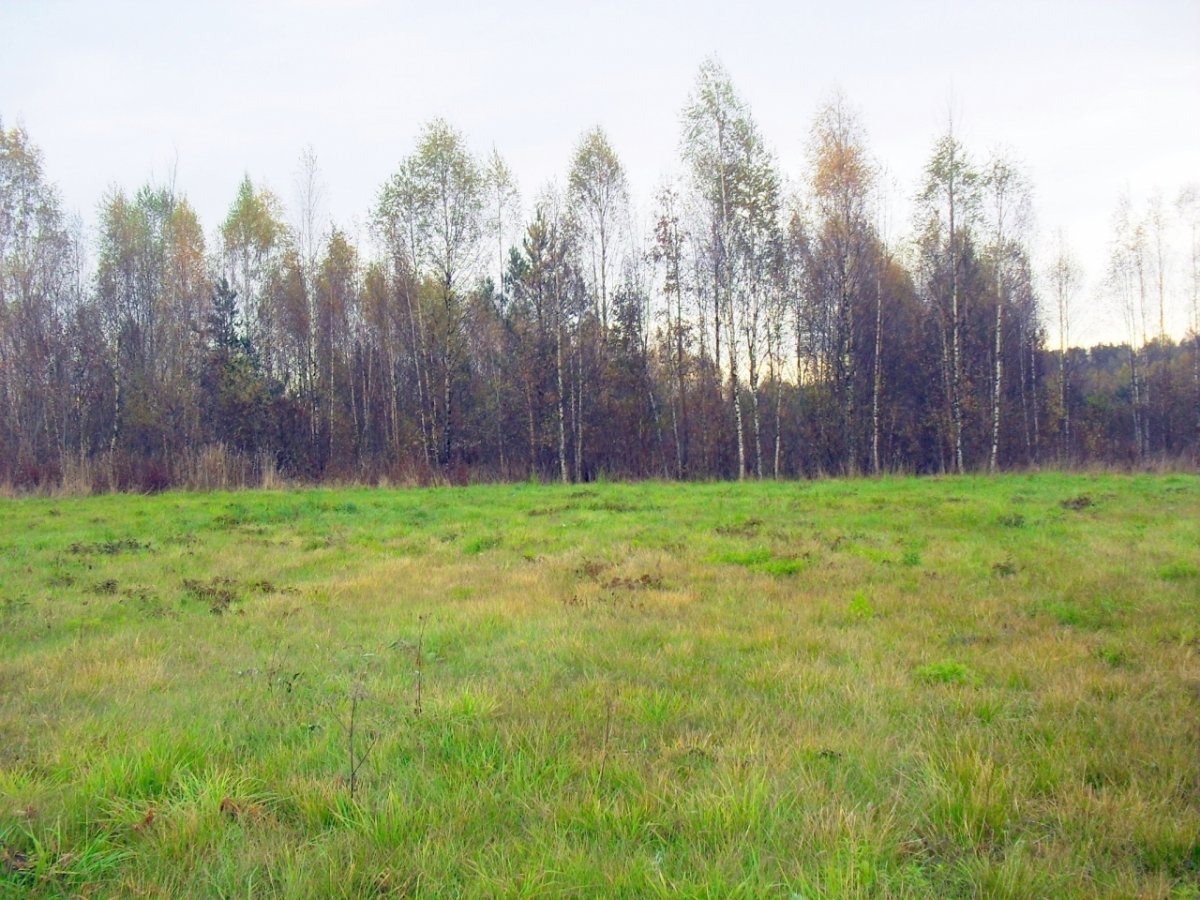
{"x": 751, "y": 329}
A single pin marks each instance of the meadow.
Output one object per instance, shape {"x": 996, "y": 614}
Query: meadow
{"x": 847, "y": 688}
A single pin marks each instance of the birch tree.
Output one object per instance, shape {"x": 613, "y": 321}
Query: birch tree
{"x": 598, "y": 204}
{"x": 1188, "y": 205}
{"x": 36, "y": 270}
{"x": 548, "y": 287}
{"x": 397, "y": 223}
{"x": 947, "y": 209}
{"x": 503, "y": 209}
{"x": 1064, "y": 277}
{"x": 1126, "y": 283}
{"x": 252, "y": 235}
{"x": 883, "y": 265}
{"x": 841, "y": 253}
{"x": 598, "y": 192}
{"x": 152, "y": 290}
{"x": 758, "y": 243}
{"x": 1005, "y": 193}
{"x": 668, "y": 253}
{"x": 729, "y": 165}
{"x": 432, "y": 216}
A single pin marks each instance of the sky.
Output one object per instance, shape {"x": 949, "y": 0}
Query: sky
{"x": 1095, "y": 98}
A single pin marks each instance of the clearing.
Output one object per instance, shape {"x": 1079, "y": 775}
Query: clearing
{"x": 923, "y": 687}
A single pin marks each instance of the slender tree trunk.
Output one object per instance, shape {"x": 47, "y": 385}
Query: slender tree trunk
{"x": 329, "y": 398}
{"x": 755, "y": 418}
{"x": 1196, "y": 381}
{"x": 562, "y": 405}
{"x": 355, "y": 420}
{"x": 499, "y": 424}
{"x": 662, "y": 456}
{"x": 773, "y": 378}
{"x": 845, "y": 365}
{"x": 778, "y": 426}
{"x": 717, "y": 313}
{"x": 417, "y": 329}
{"x": 1137, "y": 401}
{"x": 736, "y": 393}
{"x": 706, "y": 460}
{"x": 681, "y": 439}
{"x": 997, "y": 382}
{"x": 1196, "y": 330}
{"x": 532, "y": 430}
{"x": 578, "y": 419}
{"x": 448, "y": 413}
{"x": 1147, "y": 444}
{"x": 956, "y": 410}
{"x": 675, "y": 438}
{"x": 739, "y": 428}
{"x": 877, "y": 379}
{"x": 1023, "y": 392}
{"x": 1064, "y": 413}
{"x": 117, "y": 399}
{"x": 948, "y": 392}
{"x": 603, "y": 283}
{"x": 1033, "y": 393}
{"x": 393, "y": 403}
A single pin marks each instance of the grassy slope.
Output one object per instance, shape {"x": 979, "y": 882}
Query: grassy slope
{"x": 902, "y": 687}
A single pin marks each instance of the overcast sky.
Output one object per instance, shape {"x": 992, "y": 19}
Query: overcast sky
{"x": 1095, "y": 98}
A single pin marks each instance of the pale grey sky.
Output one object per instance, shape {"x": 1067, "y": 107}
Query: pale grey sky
{"x": 1096, "y": 98}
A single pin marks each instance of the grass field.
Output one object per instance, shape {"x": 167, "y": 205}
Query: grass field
{"x": 938, "y": 687}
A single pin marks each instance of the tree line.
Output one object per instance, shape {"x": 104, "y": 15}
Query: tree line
{"x": 753, "y": 330}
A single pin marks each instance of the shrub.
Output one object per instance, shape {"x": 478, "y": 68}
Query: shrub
{"x": 945, "y": 672}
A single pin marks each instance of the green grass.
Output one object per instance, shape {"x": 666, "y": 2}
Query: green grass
{"x": 939, "y": 687}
